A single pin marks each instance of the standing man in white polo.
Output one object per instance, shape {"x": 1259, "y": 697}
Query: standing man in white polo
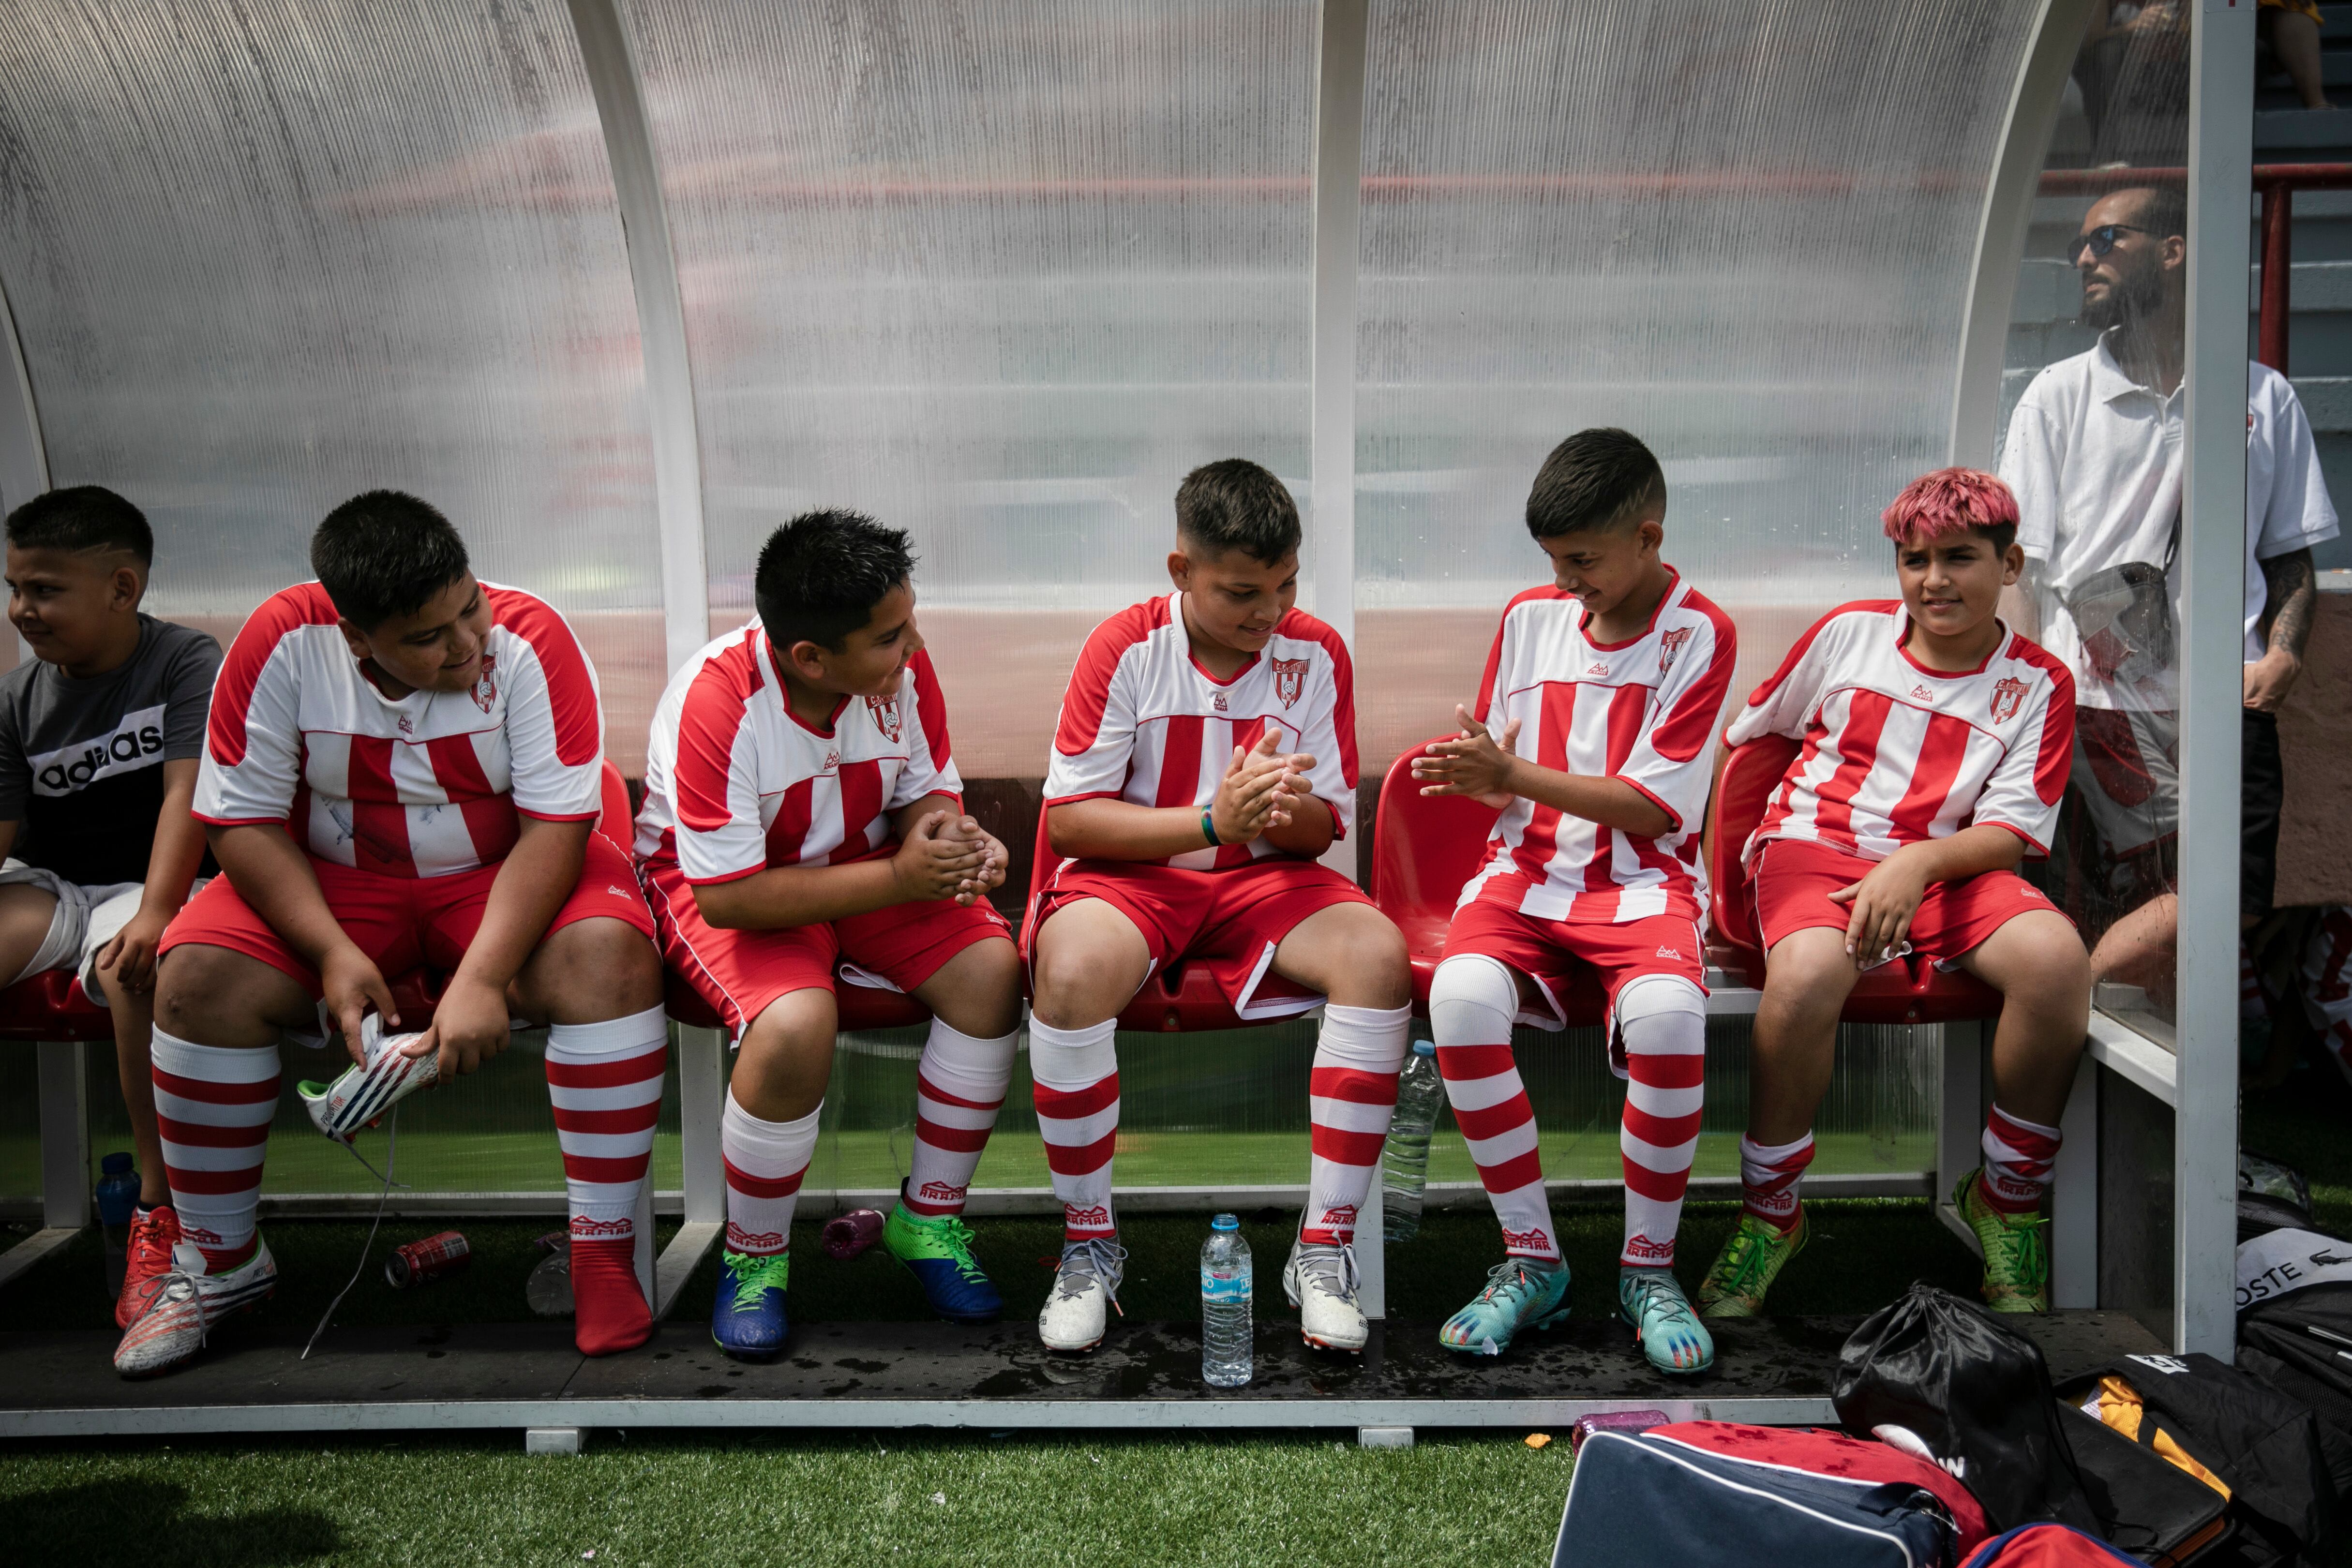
{"x": 2094, "y": 455}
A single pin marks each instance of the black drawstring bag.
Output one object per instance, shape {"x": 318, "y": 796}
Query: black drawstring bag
{"x": 1976, "y": 1393}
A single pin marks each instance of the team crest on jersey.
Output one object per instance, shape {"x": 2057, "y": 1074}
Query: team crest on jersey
{"x": 486, "y": 688}
{"x": 1290, "y": 679}
{"x": 884, "y": 711}
{"x": 2008, "y": 697}
{"x": 1670, "y": 643}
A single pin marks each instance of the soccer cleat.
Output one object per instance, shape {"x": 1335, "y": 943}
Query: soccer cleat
{"x": 364, "y": 1093}
{"x": 148, "y": 1258}
{"x": 608, "y": 1306}
{"x": 938, "y": 1252}
{"x": 186, "y": 1304}
{"x": 1750, "y": 1260}
{"x": 1651, "y": 1302}
{"x": 747, "y": 1322}
{"x": 1521, "y": 1293}
{"x": 1086, "y": 1288}
{"x": 2016, "y": 1254}
{"x": 1320, "y": 1281}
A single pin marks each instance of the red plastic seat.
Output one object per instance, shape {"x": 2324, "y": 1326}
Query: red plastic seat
{"x": 1907, "y": 990}
{"x": 1181, "y": 999}
{"x": 50, "y": 1006}
{"x": 1424, "y": 847}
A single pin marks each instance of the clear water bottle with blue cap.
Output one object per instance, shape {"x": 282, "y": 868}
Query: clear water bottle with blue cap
{"x": 1226, "y": 1360}
{"x": 1404, "y": 1162}
{"x": 117, "y": 1196}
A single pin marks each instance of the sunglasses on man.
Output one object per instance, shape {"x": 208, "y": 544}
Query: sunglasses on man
{"x": 2100, "y": 240}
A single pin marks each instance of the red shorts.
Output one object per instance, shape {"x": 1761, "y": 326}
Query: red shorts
{"x": 739, "y": 973}
{"x": 1794, "y": 878}
{"x": 403, "y": 923}
{"x": 1229, "y": 922}
{"x": 1547, "y": 951}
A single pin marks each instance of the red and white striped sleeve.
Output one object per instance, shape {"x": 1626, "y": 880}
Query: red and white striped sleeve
{"x": 1673, "y": 759}
{"x": 930, "y": 766}
{"x": 1094, "y": 740}
{"x": 1492, "y": 685}
{"x": 2023, "y": 791}
{"x": 554, "y": 717}
{"x": 252, "y": 761}
{"x": 1329, "y": 732}
{"x": 1785, "y": 703}
{"x": 715, "y": 781}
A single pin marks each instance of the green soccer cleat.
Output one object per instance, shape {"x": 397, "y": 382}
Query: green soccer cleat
{"x": 1521, "y": 1293}
{"x": 938, "y": 1252}
{"x": 1651, "y": 1302}
{"x": 1751, "y": 1258}
{"x": 2016, "y": 1254}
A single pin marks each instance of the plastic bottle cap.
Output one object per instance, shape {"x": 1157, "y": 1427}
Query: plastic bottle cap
{"x": 1424, "y": 1048}
{"x": 1224, "y": 1222}
{"x": 115, "y": 1163}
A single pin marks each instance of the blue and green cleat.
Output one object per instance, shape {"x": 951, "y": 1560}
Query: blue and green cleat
{"x": 1521, "y": 1293}
{"x": 1651, "y": 1301}
{"x": 938, "y": 1252}
{"x": 747, "y": 1322}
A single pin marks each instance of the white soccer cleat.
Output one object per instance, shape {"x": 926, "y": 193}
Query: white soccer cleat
{"x": 362, "y": 1094}
{"x": 1086, "y": 1288}
{"x": 186, "y": 1304}
{"x": 1321, "y": 1282}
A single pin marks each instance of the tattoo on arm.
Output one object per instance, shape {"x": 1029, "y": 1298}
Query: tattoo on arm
{"x": 2293, "y": 593}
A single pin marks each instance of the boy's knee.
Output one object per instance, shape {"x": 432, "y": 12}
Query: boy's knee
{"x": 195, "y": 984}
{"x": 988, "y": 998}
{"x": 2053, "y": 977}
{"x": 1468, "y": 994}
{"x": 605, "y": 965}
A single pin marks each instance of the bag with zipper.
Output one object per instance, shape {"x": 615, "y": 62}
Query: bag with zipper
{"x": 2048, "y": 1546}
{"x": 1650, "y": 1497}
{"x": 2163, "y": 1515}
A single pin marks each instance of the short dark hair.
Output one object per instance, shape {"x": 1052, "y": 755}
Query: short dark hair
{"x": 2163, "y": 210}
{"x": 821, "y": 575}
{"x": 1600, "y": 478}
{"x": 1235, "y": 504}
{"x": 385, "y": 554}
{"x": 80, "y": 518}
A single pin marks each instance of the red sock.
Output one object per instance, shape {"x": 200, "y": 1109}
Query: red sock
{"x": 1768, "y": 1177}
{"x": 610, "y": 1313}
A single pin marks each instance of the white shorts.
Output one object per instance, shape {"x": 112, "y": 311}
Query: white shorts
{"x": 88, "y": 916}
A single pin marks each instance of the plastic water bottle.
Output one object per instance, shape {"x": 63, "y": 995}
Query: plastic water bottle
{"x": 1404, "y": 1164}
{"x": 1226, "y": 1360}
{"x": 118, "y": 1198}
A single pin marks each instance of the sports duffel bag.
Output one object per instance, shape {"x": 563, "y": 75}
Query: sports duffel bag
{"x": 1651, "y": 1497}
{"x": 2049, "y": 1546}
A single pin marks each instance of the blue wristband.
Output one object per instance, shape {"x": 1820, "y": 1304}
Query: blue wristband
{"x": 1208, "y": 826}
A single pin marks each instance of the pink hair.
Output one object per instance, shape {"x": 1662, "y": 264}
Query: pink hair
{"x": 1949, "y": 501}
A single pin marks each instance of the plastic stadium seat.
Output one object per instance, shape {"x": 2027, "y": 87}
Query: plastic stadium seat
{"x": 1179, "y": 1000}
{"x": 50, "y": 1006}
{"x": 1424, "y": 847}
{"x": 1907, "y": 990}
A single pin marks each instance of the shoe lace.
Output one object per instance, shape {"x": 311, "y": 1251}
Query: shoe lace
{"x": 957, "y": 1236}
{"x": 753, "y": 1275}
{"x": 1743, "y": 1261}
{"x": 150, "y": 1245}
{"x": 1657, "y": 1292}
{"x": 2020, "y": 1261}
{"x": 1096, "y": 1258}
{"x": 1332, "y": 1267}
{"x": 1508, "y": 1277}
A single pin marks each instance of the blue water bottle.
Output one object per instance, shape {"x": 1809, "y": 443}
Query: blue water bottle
{"x": 118, "y": 1197}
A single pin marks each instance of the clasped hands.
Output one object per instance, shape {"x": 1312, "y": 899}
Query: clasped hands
{"x": 1473, "y": 763}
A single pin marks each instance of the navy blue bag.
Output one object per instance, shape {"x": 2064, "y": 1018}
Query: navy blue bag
{"x": 1649, "y": 1499}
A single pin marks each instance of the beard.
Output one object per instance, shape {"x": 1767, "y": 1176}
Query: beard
{"x": 2136, "y": 297}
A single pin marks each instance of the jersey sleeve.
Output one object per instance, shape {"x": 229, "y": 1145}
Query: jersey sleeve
{"x": 554, "y": 719}
{"x": 253, "y": 737}
{"x": 2299, "y": 514}
{"x": 1094, "y": 740}
{"x": 1329, "y": 735}
{"x": 717, "y": 783}
{"x": 931, "y": 764}
{"x": 2031, "y": 462}
{"x": 2023, "y": 791}
{"x": 188, "y": 694}
{"x": 1490, "y": 680}
{"x": 1784, "y": 703}
{"x": 1673, "y": 759}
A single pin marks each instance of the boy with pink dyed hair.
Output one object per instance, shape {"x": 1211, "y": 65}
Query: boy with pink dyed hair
{"x": 1936, "y": 743}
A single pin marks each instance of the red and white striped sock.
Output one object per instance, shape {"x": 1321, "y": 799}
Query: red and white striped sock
{"x": 959, "y": 1089}
{"x": 1076, "y": 1075}
{"x": 1662, "y": 1021}
{"x": 1770, "y": 1176}
{"x": 213, "y": 1107}
{"x": 1472, "y": 1002}
{"x": 765, "y": 1163}
{"x": 605, "y": 1080}
{"x": 2017, "y": 1157}
{"x": 1352, "y": 1092}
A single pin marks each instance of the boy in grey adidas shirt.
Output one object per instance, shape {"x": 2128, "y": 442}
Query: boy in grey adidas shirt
{"x": 99, "y": 736}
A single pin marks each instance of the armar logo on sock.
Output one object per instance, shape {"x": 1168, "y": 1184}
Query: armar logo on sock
{"x": 1534, "y": 1240}
{"x": 940, "y": 1192}
{"x": 1340, "y": 1215}
{"x": 1097, "y": 1216}
{"x": 1642, "y": 1246}
{"x": 743, "y": 1240}
{"x": 584, "y": 1230}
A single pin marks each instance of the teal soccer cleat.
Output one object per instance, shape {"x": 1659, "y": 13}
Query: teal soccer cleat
{"x": 1670, "y": 1334}
{"x": 1521, "y": 1293}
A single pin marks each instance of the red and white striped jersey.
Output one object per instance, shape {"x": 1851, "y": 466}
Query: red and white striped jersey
{"x": 737, "y": 782}
{"x": 1644, "y": 711}
{"x": 1895, "y": 753}
{"x": 1142, "y": 721}
{"x": 421, "y": 787}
